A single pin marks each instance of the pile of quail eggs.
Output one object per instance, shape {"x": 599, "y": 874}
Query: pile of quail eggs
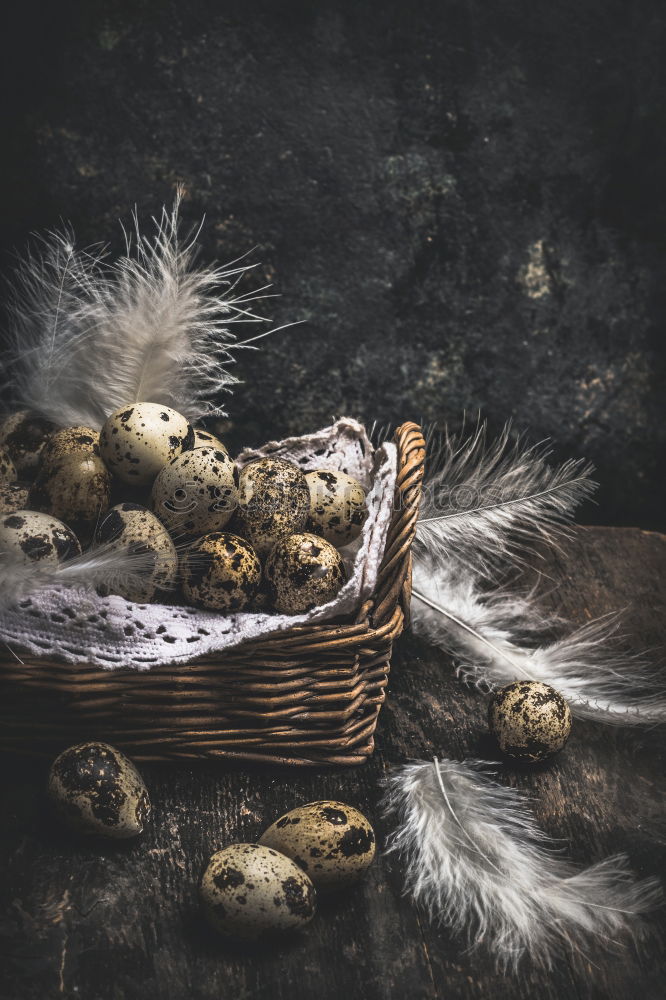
{"x": 266, "y": 536}
{"x": 247, "y": 889}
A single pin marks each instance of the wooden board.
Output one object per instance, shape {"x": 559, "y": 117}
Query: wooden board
{"x": 118, "y": 922}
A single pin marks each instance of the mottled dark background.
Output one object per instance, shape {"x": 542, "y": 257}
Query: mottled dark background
{"x": 465, "y": 201}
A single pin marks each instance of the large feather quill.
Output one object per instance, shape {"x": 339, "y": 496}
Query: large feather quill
{"x": 90, "y": 336}
{"x": 491, "y": 635}
{"x": 476, "y": 860}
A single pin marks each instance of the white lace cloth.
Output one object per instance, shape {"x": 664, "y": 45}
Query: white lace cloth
{"x": 78, "y": 626}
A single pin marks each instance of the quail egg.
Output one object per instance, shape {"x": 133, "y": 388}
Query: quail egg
{"x": 204, "y": 439}
{"x": 139, "y": 439}
{"x": 75, "y": 488}
{"x": 331, "y": 841}
{"x": 7, "y": 467}
{"x": 96, "y": 789}
{"x": 273, "y": 501}
{"x": 248, "y": 890}
{"x": 68, "y": 441}
{"x": 302, "y": 572}
{"x": 13, "y": 496}
{"x": 530, "y": 720}
{"x": 23, "y": 435}
{"x": 134, "y": 528}
{"x": 337, "y": 506}
{"x": 30, "y": 536}
{"x": 220, "y": 572}
{"x": 195, "y": 493}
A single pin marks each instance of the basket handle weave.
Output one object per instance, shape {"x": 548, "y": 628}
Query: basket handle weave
{"x": 394, "y": 578}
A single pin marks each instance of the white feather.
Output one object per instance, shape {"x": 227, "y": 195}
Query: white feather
{"x": 482, "y": 502}
{"x": 53, "y": 301}
{"x": 490, "y": 633}
{"x": 476, "y": 860}
{"x": 90, "y": 336}
{"x": 105, "y": 566}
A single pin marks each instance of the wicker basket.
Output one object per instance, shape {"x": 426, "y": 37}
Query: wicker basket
{"x": 311, "y": 695}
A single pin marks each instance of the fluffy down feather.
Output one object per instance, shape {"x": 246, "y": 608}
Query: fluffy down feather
{"x": 103, "y": 565}
{"x": 476, "y": 860}
{"x": 90, "y": 336}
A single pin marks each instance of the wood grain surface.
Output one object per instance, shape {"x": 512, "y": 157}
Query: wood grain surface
{"x": 98, "y": 921}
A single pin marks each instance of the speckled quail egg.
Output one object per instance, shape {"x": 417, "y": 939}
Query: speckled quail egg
{"x": 136, "y": 529}
{"x": 204, "y": 439}
{"x": 220, "y": 572}
{"x": 302, "y": 572}
{"x": 13, "y": 496}
{"x": 32, "y": 537}
{"x": 195, "y": 493}
{"x": 23, "y": 435}
{"x": 273, "y": 501}
{"x": 139, "y": 439}
{"x": 75, "y": 488}
{"x": 331, "y": 841}
{"x": 248, "y": 890}
{"x": 530, "y": 720}
{"x": 337, "y": 506}
{"x": 68, "y": 441}
{"x": 7, "y": 467}
{"x": 96, "y": 789}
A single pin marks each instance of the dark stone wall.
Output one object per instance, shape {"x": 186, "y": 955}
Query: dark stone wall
{"x": 463, "y": 201}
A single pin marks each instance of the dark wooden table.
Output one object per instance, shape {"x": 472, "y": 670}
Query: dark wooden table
{"x": 121, "y": 922}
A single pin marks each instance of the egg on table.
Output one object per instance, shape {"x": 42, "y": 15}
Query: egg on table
{"x": 530, "y": 720}
{"x": 155, "y": 561}
{"x": 220, "y": 572}
{"x": 139, "y": 439}
{"x": 195, "y": 493}
{"x": 13, "y": 496}
{"x": 331, "y": 841}
{"x": 30, "y": 536}
{"x": 302, "y": 572}
{"x": 337, "y": 506}
{"x": 204, "y": 439}
{"x": 248, "y": 890}
{"x": 75, "y": 488}
{"x": 7, "y": 467}
{"x": 97, "y": 790}
{"x": 69, "y": 441}
{"x": 23, "y": 435}
{"x": 273, "y": 501}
